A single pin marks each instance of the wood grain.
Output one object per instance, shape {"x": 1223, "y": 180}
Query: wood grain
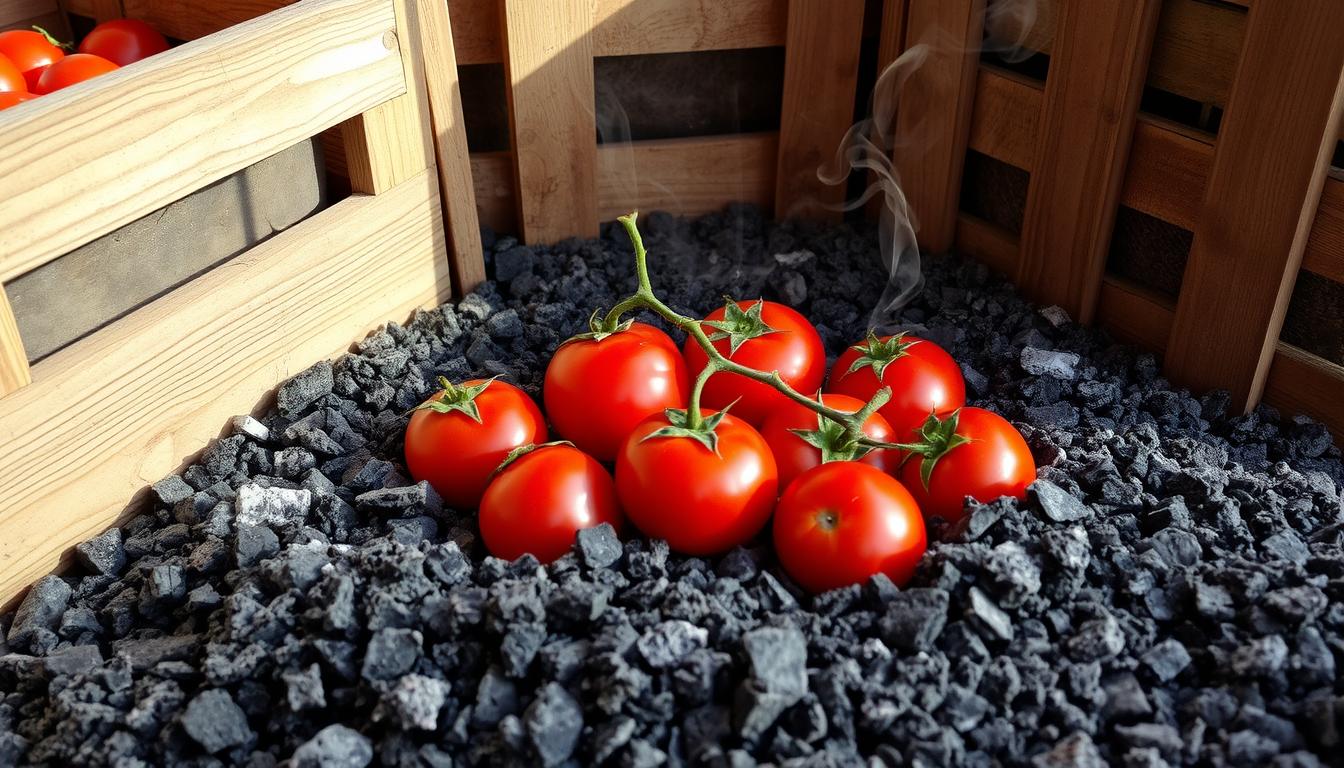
{"x": 890, "y": 44}
{"x": 194, "y": 19}
{"x": 493, "y": 182}
{"x": 1260, "y": 204}
{"x": 170, "y": 374}
{"x": 23, "y": 14}
{"x": 1302, "y": 383}
{"x": 549, "y": 79}
{"x": 686, "y": 176}
{"x": 821, "y": 70}
{"x": 1168, "y": 170}
{"x": 1082, "y": 147}
{"x": 98, "y": 10}
{"x": 1004, "y": 118}
{"x": 991, "y": 244}
{"x": 139, "y": 138}
{"x": 933, "y": 122}
{"x": 14, "y": 372}
{"x": 1325, "y": 247}
{"x": 1134, "y": 314}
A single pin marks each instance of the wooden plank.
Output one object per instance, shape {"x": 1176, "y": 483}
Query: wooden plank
{"x": 170, "y": 374}
{"x": 1168, "y": 171}
{"x": 549, "y": 79}
{"x": 333, "y": 151}
{"x": 1300, "y": 382}
{"x": 686, "y": 176}
{"x": 1198, "y": 46}
{"x": 821, "y": 71}
{"x": 1134, "y": 314}
{"x": 14, "y": 372}
{"x": 934, "y": 120}
{"x": 1260, "y": 204}
{"x": 493, "y": 182}
{"x": 890, "y": 44}
{"x": 1003, "y": 120}
{"x": 150, "y": 133}
{"x": 194, "y": 19}
{"x": 1325, "y": 247}
{"x": 1082, "y": 146}
{"x": 24, "y": 14}
{"x": 991, "y": 244}
{"x": 466, "y": 256}
{"x": 98, "y": 10}
{"x": 477, "y": 38}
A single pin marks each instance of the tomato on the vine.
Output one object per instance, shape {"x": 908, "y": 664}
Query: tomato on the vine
{"x": 10, "y": 98}
{"x": 11, "y": 79}
{"x": 31, "y": 52}
{"x": 923, "y": 378}
{"x": 123, "y": 41}
{"x": 768, "y": 337}
{"x": 972, "y": 452}
{"x": 541, "y": 498}
{"x": 842, "y": 522}
{"x": 75, "y": 68}
{"x": 800, "y": 438}
{"x": 457, "y": 438}
{"x": 600, "y": 385}
{"x": 704, "y": 490}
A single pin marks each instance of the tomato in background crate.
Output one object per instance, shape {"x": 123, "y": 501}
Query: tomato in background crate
{"x": 10, "y": 98}
{"x": 842, "y": 522}
{"x": 704, "y": 491}
{"x": 600, "y": 385}
{"x": 540, "y": 500}
{"x": 11, "y": 79}
{"x": 31, "y": 51}
{"x": 75, "y": 68}
{"x": 971, "y": 452}
{"x": 123, "y": 41}
{"x": 457, "y": 438}
{"x": 923, "y": 378}
{"x": 768, "y": 337}
{"x": 801, "y": 439}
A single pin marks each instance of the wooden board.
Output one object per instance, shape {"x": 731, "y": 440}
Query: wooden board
{"x": 148, "y": 134}
{"x": 170, "y": 374}
{"x": 493, "y": 182}
{"x": 23, "y": 14}
{"x": 994, "y": 245}
{"x": 194, "y": 19}
{"x": 1260, "y": 204}
{"x": 98, "y": 10}
{"x": 1300, "y": 382}
{"x": 13, "y": 360}
{"x": 821, "y": 70}
{"x": 1082, "y": 147}
{"x": 1004, "y": 118}
{"x": 686, "y": 176}
{"x": 1134, "y": 314}
{"x": 1168, "y": 170}
{"x": 1325, "y": 247}
{"x": 549, "y": 79}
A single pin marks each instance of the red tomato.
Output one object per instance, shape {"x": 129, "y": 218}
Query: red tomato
{"x": 702, "y": 499}
{"x": 123, "y": 41}
{"x": 75, "y": 68}
{"x": 10, "y": 98}
{"x": 597, "y": 390}
{"x": 842, "y": 522}
{"x": 765, "y": 336}
{"x": 923, "y": 378}
{"x": 971, "y": 452}
{"x": 11, "y": 79}
{"x": 457, "y": 438}
{"x": 795, "y": 454}
{"x": 32, "y": 52}
{"x": 542, "y": 498}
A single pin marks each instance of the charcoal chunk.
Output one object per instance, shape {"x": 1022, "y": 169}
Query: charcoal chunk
{"x": 554, "y": 721}
{"x": 335, "y": 746}
{"x": 39, "y": 613}
{"x": 667, "y": 643}
{"x": 415, "y": 702}
{"x": 1044, "y": 362}
{"x": 598, "y": 546}
{"x": 1167, "y": 659}
{"x": 1074, "y": 751}
{"x": 1056, "y": 503}
{"x": 295, "y": 395}
{"x": 215, "y": 721}
{"x": 778, "y": 661}
{"x": 253, "y": 544}
{"x": 391, "y": 653}
{"x": 259, "y": 505}
{"x": 104, "y": 554}
{"x": 914, "y": 619}
{"x": 1097, "y": 639}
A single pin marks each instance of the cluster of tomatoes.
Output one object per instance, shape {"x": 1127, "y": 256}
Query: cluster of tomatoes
{"x": 842, "y": 509}
{"x": 32, "y": 63}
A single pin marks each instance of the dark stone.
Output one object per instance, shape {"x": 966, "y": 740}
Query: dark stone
{"x": 214, "y": 721}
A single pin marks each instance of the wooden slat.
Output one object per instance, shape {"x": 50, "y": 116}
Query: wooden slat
{"x": 194, "y": 19}
{"x": 13, "y": 360}
{"x": 1260, "y": 204}
{"x": 1082, "y": 146}
{"x": 148, "y": 134}
{"x": 994, "y": 245}
{"x": 890, "y": 45}
{"x": 934, "y": 120}
{"x": 333, "y": 151}
{"x": 1003, "y": 121}
{"x": 493, "y": 181}
{"x": 549, "y": 79}
{"x": 1168, "y": 171}
{"x": 686, "y": 176}
{"x": 24, "y": 14}
{"x": 476, "y": 32}
{"x": 1134, "y": 314}
{"x": 450, "y": 147}
{"x": 98, "y": 10}
{"x": 1325, "y": 247}
{"x": 168, "y": 376}
{"x": 1300, "y": 382}
{"x": 821, "y": 69}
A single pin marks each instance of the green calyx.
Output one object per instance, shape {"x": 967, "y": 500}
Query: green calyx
{"x": 52, "y": 39}
{"x": 523, "y": 450}
{"x": 453, "y": 398}
{"x": 878, "y": 353}
{"x": 739, "y": 326}
{"x": 833, "y": 439}
{"x": 598, "y": 329}
{"x": 937, "y": 438}
{"x": 680, "y": 426}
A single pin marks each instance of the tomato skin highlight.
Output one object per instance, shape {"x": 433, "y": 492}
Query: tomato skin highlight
{"x": 795, "y": 351}
{"x": 10, "y": 98}
{"x": 75, "y": 68}
{"x": 794, "y": 456}
{"x": 11, "y": 79}
{"x": 925, "y": 380}
{"x": 123, "y": 41}
{"x": 996, "y": 462}
{"x": 542, "y": 499}
{"x": 597, "y": 391}
{"x": 842, "y": 522}
{"x": 30, "y": 52}
{"x": 457, "y": 455}
{"x": 675, "y": 488}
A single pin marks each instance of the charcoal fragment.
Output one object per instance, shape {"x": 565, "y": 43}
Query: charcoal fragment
{"x": 258, "y": 505}
{"x": 914, "y": 618}
{"x": 598, "y": 546}
{"x": 554, "y": 721}
{"x": 104, "y": 554}
{"x": 39, "y": 613}
{"x": 335, "y": 746}
{"x": 215, "y": 722}
{"x": 295, "y": 395}
{"x": 1167, "y": 659}
{"x": 1056, "y": 503}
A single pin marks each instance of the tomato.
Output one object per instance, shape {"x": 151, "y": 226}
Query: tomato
{"x": 922, "y": 376}
{"x": 542, "y": 498}
{"x": 75, "y": 68}
{"x": 972, "y": 452}
{"x": 598, "y": 387}
{"x": 765, "y": 336}
{"x": 824, "y": 440}
{"x": 842, "y": 522}
{"x": 123, "y": 41}
{"x": 32, "y": 52}
{"x": 11, "y": 79}
{"x": 457, "y": 438}
{"x": 10, "y": 98}
{"x": 704, "y": 492}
